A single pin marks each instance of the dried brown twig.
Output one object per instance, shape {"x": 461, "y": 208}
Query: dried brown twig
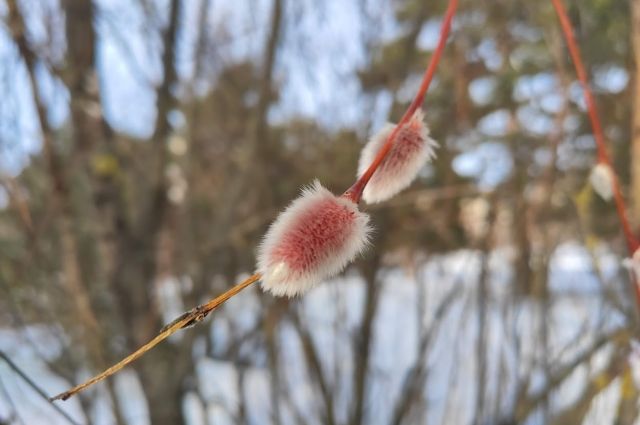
{"x": 189, "y": 318}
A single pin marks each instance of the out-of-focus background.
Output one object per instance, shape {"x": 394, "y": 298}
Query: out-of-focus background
{"x": 146, "y": 145}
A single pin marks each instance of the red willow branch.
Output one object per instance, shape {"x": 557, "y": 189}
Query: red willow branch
{"x": 355, "y": 192}
{"x": 598, "y": 134}
{"x": 603, "y": 156}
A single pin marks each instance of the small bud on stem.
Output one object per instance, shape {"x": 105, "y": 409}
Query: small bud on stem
{"x": 601, "y": 179}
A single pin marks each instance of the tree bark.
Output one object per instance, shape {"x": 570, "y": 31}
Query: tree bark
{"x": 364, "y": 341}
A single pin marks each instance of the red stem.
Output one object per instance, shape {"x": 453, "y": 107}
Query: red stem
{"x": 355, "y": 192}
{"x": 603, "y": 156}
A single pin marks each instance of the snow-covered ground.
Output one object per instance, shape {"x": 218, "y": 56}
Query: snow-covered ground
{"x": 445, "y": 286}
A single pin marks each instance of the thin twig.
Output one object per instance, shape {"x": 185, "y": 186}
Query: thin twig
{"x": 355, "y": 192}
{"x": 603, "y": 156}
{"x": 13, "y": 416}
{"x": 189, "y": 318}
{"x": 34, "y": 386}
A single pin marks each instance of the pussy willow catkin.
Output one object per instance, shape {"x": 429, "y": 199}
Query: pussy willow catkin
{"x": 412, "y": 148}
{"x": 313, "y": 239}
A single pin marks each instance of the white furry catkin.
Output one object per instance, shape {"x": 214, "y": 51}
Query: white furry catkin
{"x": 635, "y": 264}
{"x": 313, "y": 239}
{"x": 411, "y": 149}
{"x": 601, "y": 179}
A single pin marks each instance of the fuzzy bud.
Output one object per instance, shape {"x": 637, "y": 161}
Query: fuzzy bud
{"x": 411, "y": 149}
{"x": 633, "y": 264}
{"x": 601, "y": 179}
{"x": 313, "y": 239}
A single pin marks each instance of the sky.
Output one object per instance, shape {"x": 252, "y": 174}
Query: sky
{"x": 316, "y": 67}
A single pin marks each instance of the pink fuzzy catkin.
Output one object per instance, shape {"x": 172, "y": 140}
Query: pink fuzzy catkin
{"x": 411, "y": 149}
{"x": 315, "y": 238}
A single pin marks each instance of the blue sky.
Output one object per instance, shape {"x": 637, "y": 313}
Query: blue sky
{"x": 323, "y": 47}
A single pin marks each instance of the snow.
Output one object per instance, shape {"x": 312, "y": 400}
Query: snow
{"x": 332, "y": 311}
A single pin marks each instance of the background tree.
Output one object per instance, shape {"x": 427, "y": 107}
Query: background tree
{"x": 147, "y": 145}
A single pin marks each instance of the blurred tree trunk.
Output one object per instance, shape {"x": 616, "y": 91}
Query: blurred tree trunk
{"x": 364, "y": 340}
{"x": 163, "y": 372}
{"x": 81, "y": 78}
